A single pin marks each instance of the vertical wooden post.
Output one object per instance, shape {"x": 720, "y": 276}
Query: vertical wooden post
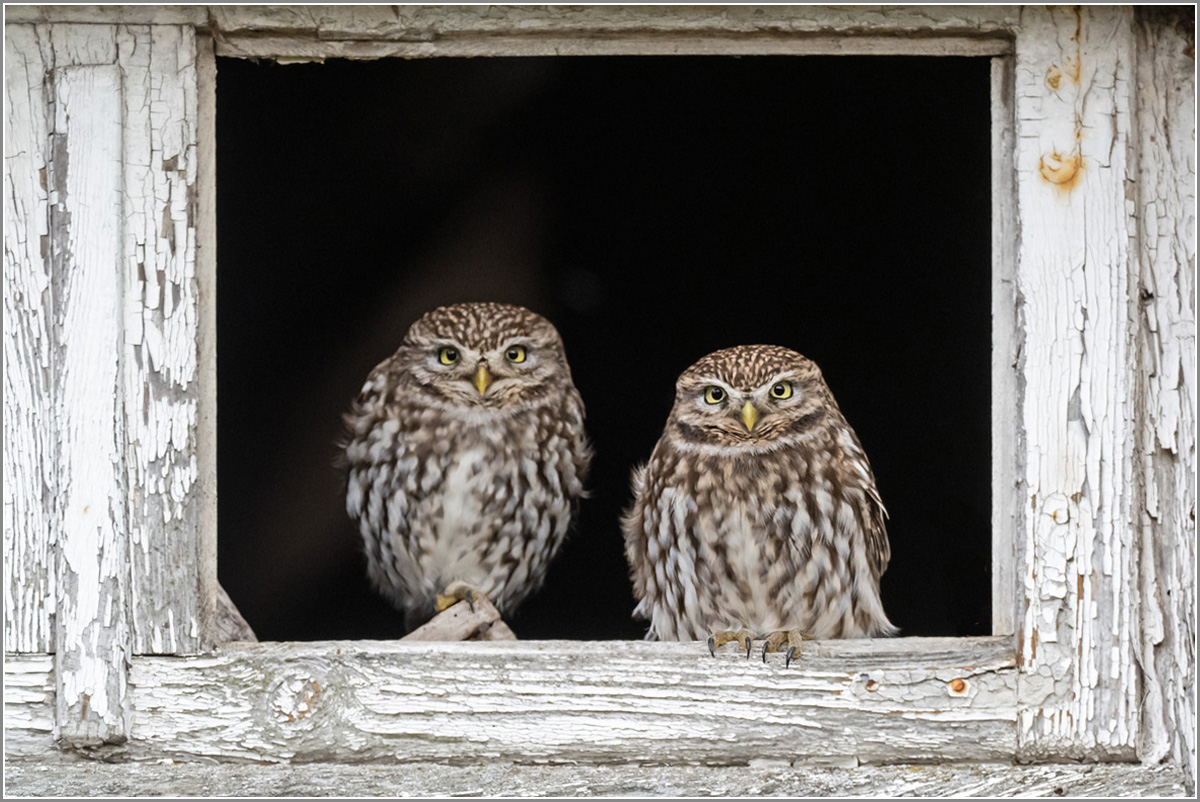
{"x": 92, "y": 638}
{"x": 30, "y": 446}
{"x": 1080, "y": 691}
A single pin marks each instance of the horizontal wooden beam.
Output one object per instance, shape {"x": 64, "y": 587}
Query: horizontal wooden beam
{"x": 89, "y": 778}
{"x": 313, "y": 33}
{"x": 844, "y": 702}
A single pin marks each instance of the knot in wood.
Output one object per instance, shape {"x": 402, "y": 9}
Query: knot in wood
{"x": 295, "y": 699}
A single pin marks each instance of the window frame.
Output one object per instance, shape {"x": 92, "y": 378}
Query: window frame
{"x": 1039, "y": 688}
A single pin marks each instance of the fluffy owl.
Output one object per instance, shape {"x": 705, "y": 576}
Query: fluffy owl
{"x": 466, "y": 458}
{"x": 757, "y": 515}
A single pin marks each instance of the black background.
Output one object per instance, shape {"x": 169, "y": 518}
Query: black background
{"x": 655, "y": 209}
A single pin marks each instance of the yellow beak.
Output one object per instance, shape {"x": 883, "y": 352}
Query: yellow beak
{"x": 749, "y": 416}
{"x": 483, "y": 379}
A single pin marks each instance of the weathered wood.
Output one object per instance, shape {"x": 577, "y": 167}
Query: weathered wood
{"x": 160, "y": 334}
{"x": 1080, "y": 691}
{"x": 108, "y": 14}
{"x": 92, "y": 630}
{"x": 226, "y": 623}
{"x": 1094, "y": 459}
{"x": 212, "y": 619}
{"x": 30, "y": 445}
{"x": 1166, "y": 255}
{"x": 38, "y": 779}
{"x": 461, "y": 621}
{"x": 1007, "y": 498}
{"x": 28, "y": 704}
{"x": 846, "y": 701}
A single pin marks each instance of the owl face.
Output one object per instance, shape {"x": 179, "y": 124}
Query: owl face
{"x": 751, "y": 396}
{"x": 484, "y": 356}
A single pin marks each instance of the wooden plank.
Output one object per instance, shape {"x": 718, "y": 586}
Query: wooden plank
{"x": 30, "y": 482}
{"x": 433, "y": 22}
{"x": 846, "y": 702}
{"x": 106, "y": 14}
{"x": 1007, "y": 498}
{"x": 218, "y": 615}
{"x": 92, "y": 635}
{"x": 161, "y": 366}
{"x": 1080, "y": 691}
{"x": 1166, "y": 215}
{"x": 760, "y": 779}
{"x": 292, "y": 48}
{"x": 28, "y": 705}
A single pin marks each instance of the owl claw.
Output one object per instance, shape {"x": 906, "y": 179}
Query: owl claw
{"x": 456, "y": 592}
{"x": 776, "y": 640}
{"x": 719, "y": 639}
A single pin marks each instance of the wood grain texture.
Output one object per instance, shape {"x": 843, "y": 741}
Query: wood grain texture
{"x": 160, "y": 356}
{"x": 763, "y": 779}
{"x": 1080, "y": 680}
{"x": 1008, "y": 502}
{"x": 30, "y": 445}
{"x": 92, "y": 628}
{"x": 848, "y": 702}
{"x": 1166, "y": 255}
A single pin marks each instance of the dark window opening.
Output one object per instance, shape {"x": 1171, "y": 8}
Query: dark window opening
{"x": 655, "y": 209}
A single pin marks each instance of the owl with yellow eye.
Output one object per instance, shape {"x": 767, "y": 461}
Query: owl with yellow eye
{"x": 466, "y": 457}
{"x": 757, "y": 515}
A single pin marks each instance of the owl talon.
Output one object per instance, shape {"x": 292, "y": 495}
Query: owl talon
{"x": 719, "y": 639}
{"x": 456, "y": 592}
{"x": 776, "y": 640}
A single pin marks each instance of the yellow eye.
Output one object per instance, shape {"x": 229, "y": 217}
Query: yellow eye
{"x": 515, "y": 353}
{"x": 714, "y": 395}
{"x": 782, "y": 390}
{"x": 448, "y": 355}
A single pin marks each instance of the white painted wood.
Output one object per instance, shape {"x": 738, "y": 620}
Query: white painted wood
{"x": 1007, "y": 498}
{"x": 215, "y": 626}
{"x": 1096, "y": 477}
{"x": 30, "y": 447}
{"x": 1166, "y": 254}
{"x": 92, "y": 634}
{"x": 161, "y": 369}
{"x": 1080, "y": 681}
{"x": 501, "y": 779}
{"x": 28, "y": 705}
{"x": 845, "y": 701}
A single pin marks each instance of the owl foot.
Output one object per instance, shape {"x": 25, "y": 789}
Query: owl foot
{"x": 792, "y": 637}
{"x": 718, "y": 639}
{"x": 456, "y": 592}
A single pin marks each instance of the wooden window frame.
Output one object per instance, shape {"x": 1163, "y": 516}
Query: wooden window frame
{"x": 122, "y": 656}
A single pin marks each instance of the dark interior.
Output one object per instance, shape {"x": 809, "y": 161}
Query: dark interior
{"x": 655, "y": 209}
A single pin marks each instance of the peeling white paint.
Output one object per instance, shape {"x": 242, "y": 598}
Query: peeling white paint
{"x": 1104, "y": 445}
{"x": 92, "y": 629}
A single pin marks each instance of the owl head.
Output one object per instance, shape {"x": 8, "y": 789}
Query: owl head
{"x": 484, "y": 356}
{"x": 750, "y": 396}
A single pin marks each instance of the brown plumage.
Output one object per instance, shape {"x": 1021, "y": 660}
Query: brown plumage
{"x": 757, "y": 512}
{"x": 466, "y": 457}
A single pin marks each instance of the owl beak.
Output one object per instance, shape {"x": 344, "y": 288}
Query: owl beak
{"x": 749, "y": 416}
{"x": 483, "y": 379}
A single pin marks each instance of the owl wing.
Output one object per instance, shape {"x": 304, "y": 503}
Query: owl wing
{"x": 876, "y": 531}
{"x": 871, "y": 511}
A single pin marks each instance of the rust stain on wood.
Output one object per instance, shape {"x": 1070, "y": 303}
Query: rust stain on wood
{"x": 1064, "y": 172}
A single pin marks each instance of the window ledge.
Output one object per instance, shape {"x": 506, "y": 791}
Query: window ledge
{"x": 844, "y": 702}
{"x": 40, "y": 779}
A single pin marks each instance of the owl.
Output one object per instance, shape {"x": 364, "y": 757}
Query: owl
{"x": 757, "y": 515}
{"x": 466, "y": 458}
